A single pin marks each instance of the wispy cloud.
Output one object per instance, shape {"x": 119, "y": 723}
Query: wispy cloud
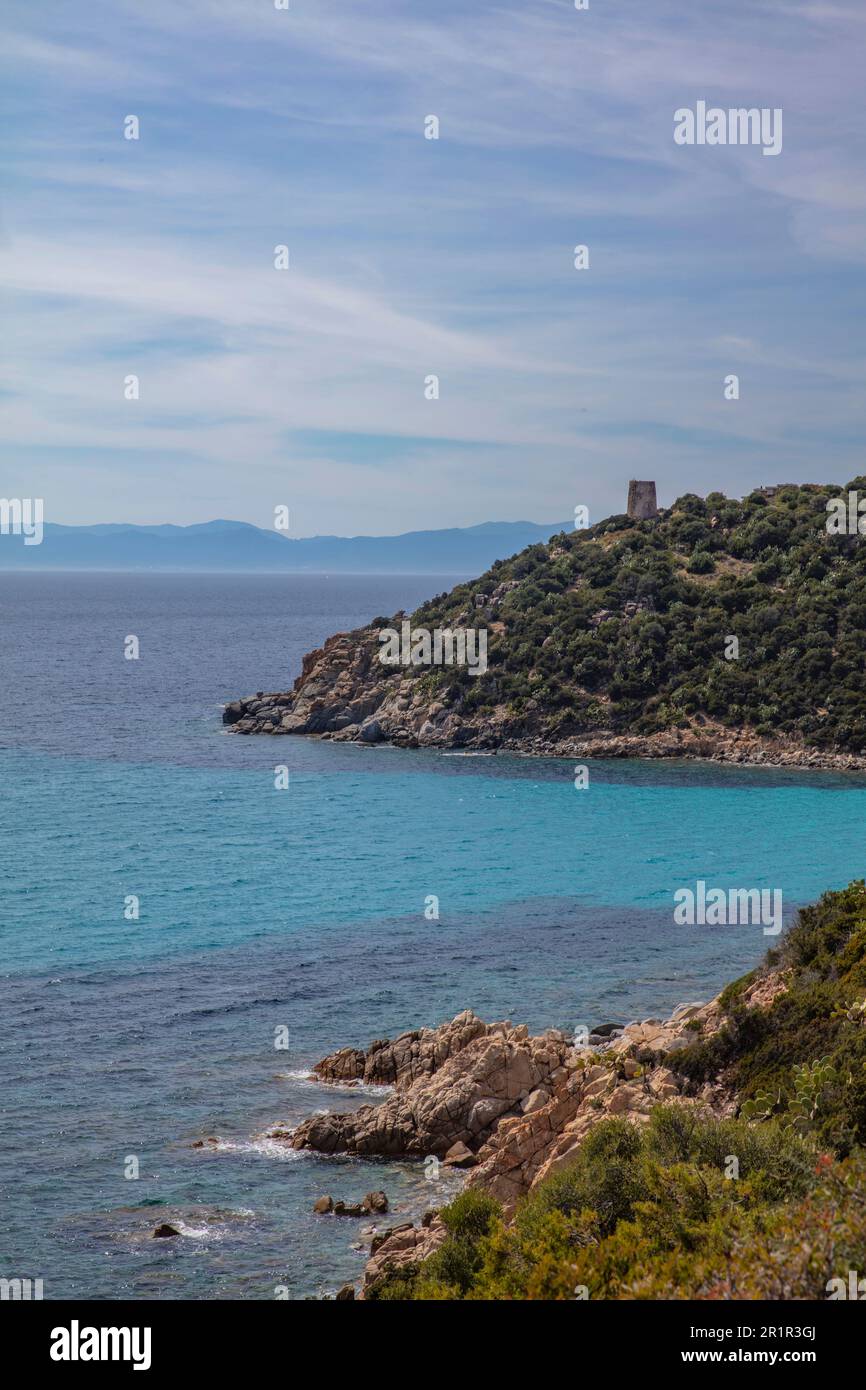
{"x": 412, "y": 257}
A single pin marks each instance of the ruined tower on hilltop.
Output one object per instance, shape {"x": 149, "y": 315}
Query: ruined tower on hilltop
{"x": 642, "y": 501}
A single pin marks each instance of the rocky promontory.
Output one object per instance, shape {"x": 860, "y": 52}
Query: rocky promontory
{"x": 716, "y": 629}
{"x": 455, "y": 1084}
{"x": 717, "y": 1153}
{"x": 345, "y": 694}
{"x": 509, "y": 1108}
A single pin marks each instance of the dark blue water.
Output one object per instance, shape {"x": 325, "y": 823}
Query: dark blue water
{"x": 298, "y": 909}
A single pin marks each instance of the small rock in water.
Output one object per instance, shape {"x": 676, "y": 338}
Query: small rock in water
{"x": 349, "y": 1209}
{"x": 345, "y": 1294}
{"x": 375, "y": 1201}
{"x": 164, "y": 1230}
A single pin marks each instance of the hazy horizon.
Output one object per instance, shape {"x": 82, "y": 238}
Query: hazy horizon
{"x": 316, "y": 535}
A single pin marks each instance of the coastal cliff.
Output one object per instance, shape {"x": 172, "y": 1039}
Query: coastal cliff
{"x": 730, "y": 630}
{"x": 662, "y": 1158}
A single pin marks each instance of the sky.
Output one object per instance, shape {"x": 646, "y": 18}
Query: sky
{"x": 412, "y": 257}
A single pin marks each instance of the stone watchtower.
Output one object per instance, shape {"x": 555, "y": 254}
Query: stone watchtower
{"x": 642, "y": 501}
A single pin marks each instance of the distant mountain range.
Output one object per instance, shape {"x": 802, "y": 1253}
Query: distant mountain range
{"x": 238, "y": 546}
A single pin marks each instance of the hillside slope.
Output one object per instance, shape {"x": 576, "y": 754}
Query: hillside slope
{"x": 617, "y": 640}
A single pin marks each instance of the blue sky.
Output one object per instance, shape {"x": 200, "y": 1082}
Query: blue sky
{"x": 411, "y": 257}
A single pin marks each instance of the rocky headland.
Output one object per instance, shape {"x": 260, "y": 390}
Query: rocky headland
{"x": 716, "y": 629}
{"x": 346, "y": 695}
{"x": 508, "y": 1108}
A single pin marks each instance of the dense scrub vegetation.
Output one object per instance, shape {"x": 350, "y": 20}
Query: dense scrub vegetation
{"x": 623, "y": 626}
{"x": 771, "y": 1204}
{"x": 680, "y": 1228}
{"x": 813, "y": 1034}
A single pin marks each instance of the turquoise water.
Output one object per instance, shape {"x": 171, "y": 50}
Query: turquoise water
{"x": 300, "y": 909}
{"x": 218, "y": 858}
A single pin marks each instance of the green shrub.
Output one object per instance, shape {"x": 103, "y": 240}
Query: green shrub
{"x": 701, "y": 562}
{"x": 816, "y": 1027}
{"x": 633, "y": 1206}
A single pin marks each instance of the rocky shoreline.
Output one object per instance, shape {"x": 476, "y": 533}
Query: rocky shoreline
{"x": 509, "y": 1108}
{"x": 345, "y": 694}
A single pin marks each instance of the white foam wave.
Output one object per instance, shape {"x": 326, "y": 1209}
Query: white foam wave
{"x": 352, "y": 1088}
{"x": 261, "y": 1145}
{"x": 198, "y": 1232}
{"x": 468, "y": 754}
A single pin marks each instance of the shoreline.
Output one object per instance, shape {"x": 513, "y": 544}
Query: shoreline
{"x": 597, "y": 1161}
{"x": 658, "y": 748}
{"x": 345, "y": 695}
{"x": 500, "y": 1107}
{"x": 738, "y": 749}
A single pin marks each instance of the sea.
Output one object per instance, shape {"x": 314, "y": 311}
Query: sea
{"x": 189, "y": 919}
